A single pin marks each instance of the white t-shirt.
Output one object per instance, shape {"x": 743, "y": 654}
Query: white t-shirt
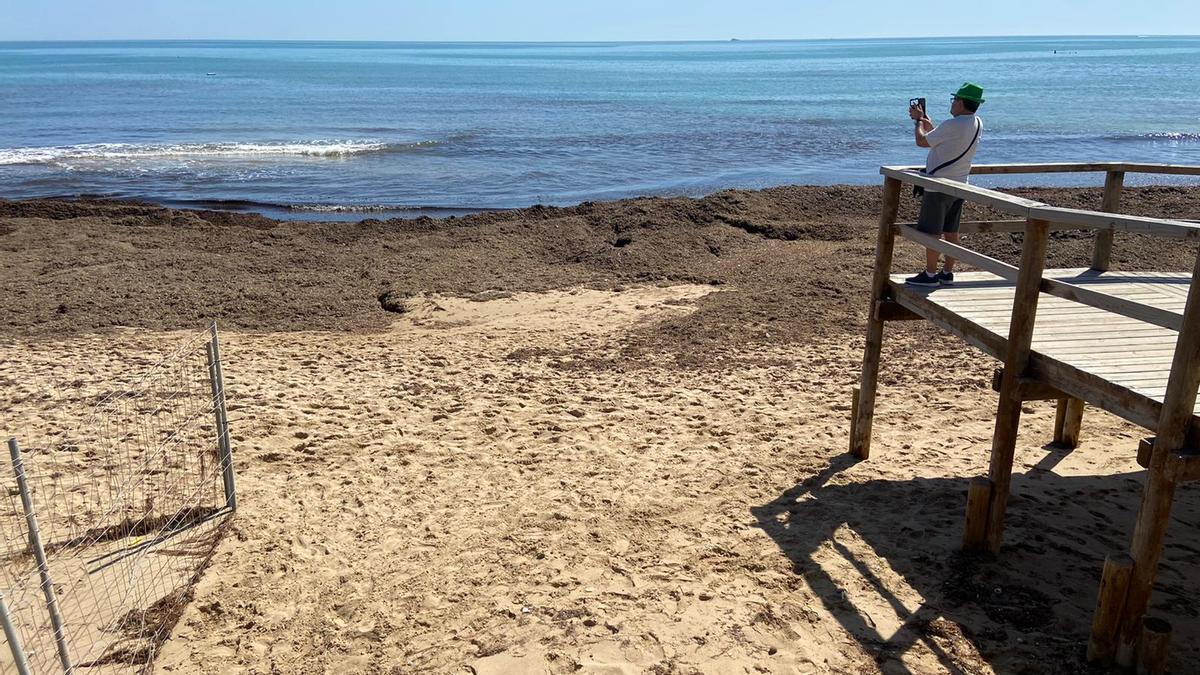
{"x": 948, "y": 141}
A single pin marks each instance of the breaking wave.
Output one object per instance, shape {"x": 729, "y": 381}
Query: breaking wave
{"x": 1173, "y": 136}
{"x": 101, "y": 152}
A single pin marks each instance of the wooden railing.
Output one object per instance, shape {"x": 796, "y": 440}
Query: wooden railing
{"x": 1125, "y": 591}
{"x": 1050, "y": 218}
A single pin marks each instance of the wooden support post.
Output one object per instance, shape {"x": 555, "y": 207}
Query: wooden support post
{"x": 853, "y": 410}
{"x": 1068, "y": 420}
{"x": 1171, "y": 436}
{"x": 1114, "y": 181}
{"x": 979, "y": 495}
{"x": 1152, "y": 650}
{"x": 1114, "y": 584}
{"x": 1016, "y": 361}
{"x": 860, "y": 428}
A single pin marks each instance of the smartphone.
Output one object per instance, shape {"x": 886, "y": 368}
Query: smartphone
{"x": 918, "y": 102}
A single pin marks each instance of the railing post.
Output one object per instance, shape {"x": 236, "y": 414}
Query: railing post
{"x": 1157, "y": 497}
{"x": 1114, "y": 181}
{"x": 864, "y": 411}
{"x": 1016, "y": 361}
{"x": 14, "y": 640}
{"x": 222, "y": 421}
{"x": 39, "y": 555}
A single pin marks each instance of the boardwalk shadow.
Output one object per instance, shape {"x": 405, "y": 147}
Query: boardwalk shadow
{"x": 883, "y": 557}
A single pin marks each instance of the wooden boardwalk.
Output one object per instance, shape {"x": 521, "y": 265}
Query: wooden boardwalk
{"x": 1126, "y": 342}
{"x": 1115, "y": 362}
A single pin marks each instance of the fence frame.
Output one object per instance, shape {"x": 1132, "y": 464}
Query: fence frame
{"x": 11, "y": 632}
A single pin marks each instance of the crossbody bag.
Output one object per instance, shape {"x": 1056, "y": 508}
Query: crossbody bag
{"x": 918, "y": 190}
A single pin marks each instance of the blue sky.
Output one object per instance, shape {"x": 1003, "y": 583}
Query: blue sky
{"x": 585, "y": 19}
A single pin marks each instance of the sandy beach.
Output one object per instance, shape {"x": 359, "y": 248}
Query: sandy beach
{"x": 609, "y": 438}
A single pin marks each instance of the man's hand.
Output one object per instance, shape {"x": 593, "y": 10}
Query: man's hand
{"x": 923, "y": 126}
{"x": 915, "y": 112}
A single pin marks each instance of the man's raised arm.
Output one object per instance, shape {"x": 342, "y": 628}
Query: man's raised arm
{"x": 923, "y": 126}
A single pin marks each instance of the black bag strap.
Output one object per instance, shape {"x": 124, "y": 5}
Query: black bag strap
{"x": 943, "y": 165}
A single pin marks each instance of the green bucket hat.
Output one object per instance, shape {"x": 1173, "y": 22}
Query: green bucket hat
{"x": 970, "y": 92}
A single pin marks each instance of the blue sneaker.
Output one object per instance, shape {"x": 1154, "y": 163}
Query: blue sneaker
{"x": 945, "y": 278}
{"x": 923, "y": 279}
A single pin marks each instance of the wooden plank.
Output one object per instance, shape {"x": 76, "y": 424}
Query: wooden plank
{"x": 997, "y": 200}
{"x": 1144, "y": 382}
{"x": 1056, "y": 314}
{"x": 1055, "y": 287}
{"x": 1090, "y": 342}
{"x": 1128, "y": 362}
{"x": 1111, "y": 203}
{"x": 1072, "y": 331}
{"x": 1066, "y": 273}
{"x": 983, "y": 295}
{"x": 1175, "y": 169}
{"x": 1072, "y": 167}
{"x": 1066, "y": 336}
{"x": 1016, "y": 361}
{"x": 1098, "y": 391}
{"x": 1112, "y": 303}
{"x": 1111, "y": 347}
{"x": 962, "y": 253}
{"x": 860, "y": 428}
{"x": 1161, "y": 227}
{"x": 1028, "y": 389}
{"x": 889, "y": 310}
{"x": 1134, "y": 371}
{"x": 984, "y": 340}
{"x": 1038, "y": 167}
{"x": 1009, "y": 226}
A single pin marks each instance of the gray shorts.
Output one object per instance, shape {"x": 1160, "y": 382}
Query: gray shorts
{"x": 939, "y": 213}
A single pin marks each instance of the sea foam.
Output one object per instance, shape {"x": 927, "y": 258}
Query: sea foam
{"x": 100, "y": 152}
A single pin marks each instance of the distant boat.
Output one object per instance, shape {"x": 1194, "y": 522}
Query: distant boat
{"x": 210, "y": 74}
{"x": 734, "y": 40}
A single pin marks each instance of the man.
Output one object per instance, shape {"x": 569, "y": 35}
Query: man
{"x": 952, "y": 146}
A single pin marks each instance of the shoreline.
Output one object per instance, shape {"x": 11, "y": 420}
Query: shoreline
{"x": 352, "y": 212}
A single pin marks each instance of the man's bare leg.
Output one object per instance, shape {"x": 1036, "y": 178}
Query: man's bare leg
{"x": 953, "y": 238}
{"x": 931, "y": 261}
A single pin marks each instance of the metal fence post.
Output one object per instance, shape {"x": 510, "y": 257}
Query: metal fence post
{"x": 39, "y": 554}
{"x": 218, "y": 391}
{"x": 14, "y": 642}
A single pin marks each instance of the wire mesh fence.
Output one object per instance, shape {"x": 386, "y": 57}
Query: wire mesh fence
{"x": 106, "y": 527}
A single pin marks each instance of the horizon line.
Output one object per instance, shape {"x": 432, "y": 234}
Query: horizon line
{"x": 614, "y": 41}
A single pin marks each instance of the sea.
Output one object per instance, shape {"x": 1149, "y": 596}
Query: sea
{"x": 355, "y": 129}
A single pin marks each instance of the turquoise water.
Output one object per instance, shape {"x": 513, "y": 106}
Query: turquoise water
{"x": 323, "y": 126}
